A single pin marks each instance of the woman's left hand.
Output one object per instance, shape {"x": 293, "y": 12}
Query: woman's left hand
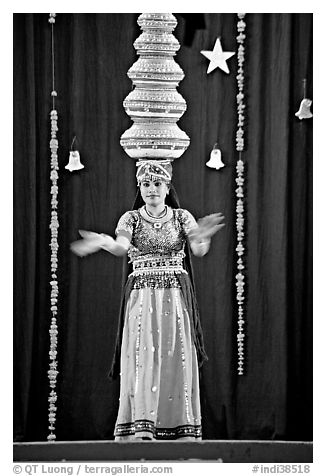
{"x": 207, "y": 227}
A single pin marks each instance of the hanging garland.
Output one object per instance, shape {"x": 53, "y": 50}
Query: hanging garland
{"x": 54, "y": 225}
{"x": 240, "y": 277}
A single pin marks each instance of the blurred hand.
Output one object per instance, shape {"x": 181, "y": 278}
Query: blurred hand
{"x": 90, "y": 243}
{"x": 89, "y": 235}
{"x": 207, "y": 227}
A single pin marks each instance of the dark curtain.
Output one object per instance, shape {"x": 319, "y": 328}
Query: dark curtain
{"x": 93, "y": 52}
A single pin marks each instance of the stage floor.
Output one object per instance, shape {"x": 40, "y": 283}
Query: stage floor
{"x": 229, "y": 451}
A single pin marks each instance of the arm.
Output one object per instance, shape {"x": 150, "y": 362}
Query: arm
{"x": 118, "y": 246}
{"x": 92, "y": 242}
{"x": 200, "y": 248}
{"x": 200, "y": 236}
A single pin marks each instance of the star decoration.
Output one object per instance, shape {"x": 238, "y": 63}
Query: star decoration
{"x": 218, "y": 57}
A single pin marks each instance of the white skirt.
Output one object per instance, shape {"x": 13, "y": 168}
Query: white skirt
{"x": 159, "y": 389}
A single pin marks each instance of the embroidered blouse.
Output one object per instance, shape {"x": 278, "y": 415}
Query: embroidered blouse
{"x": 147, "y": 240}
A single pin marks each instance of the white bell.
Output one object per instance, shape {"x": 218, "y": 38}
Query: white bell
{"x": 74, "y": 161}
{"x": 215, "y": 161}
{"x": 304, "y": 109}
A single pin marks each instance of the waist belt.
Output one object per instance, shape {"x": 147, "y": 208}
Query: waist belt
{"x": 158, "y": 265}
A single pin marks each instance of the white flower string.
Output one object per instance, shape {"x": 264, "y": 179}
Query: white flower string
{"x": 240, "y": 277}
{"x": 54, "y": 225}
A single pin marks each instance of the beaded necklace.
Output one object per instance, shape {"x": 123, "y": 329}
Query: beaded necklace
{"x": 158, "y": 221}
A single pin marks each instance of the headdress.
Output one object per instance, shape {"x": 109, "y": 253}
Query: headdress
{"x": 154, "y": 104}
{"x": 153, "y": 170}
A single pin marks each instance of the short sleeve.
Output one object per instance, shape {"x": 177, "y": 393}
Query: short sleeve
{"x": 125, "y": 226}
{"x": 187, "y": 220}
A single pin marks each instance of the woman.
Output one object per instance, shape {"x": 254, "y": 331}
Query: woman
{"x": 161, "y": 342}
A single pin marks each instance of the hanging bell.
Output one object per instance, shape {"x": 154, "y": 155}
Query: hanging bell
{"x": 74, "y": 161}
{"x": 304, "y": 109}
{"x": 215, "y": 161}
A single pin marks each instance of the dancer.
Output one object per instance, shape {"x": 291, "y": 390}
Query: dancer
{"x": 160, "y": 344}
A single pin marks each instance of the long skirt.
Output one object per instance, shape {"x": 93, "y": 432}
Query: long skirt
{"x": 159, "y": 389}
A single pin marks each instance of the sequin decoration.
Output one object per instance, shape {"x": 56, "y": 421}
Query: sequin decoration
{"x": 139, "y": 426}
{"x": 155, "y": 281}
{"x": 157, "y": 258}
{"x": 185, "y": 385}
{"x": 138, "y": 338}
{"x": 146, "y": 240}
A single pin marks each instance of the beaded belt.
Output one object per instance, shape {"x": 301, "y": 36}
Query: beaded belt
{"x": 158, "y": 272}
{"x": 169, "y": 263}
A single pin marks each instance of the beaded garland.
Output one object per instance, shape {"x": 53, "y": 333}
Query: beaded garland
{"x": 240, "y": 249}
{"x": 54, "y": 225}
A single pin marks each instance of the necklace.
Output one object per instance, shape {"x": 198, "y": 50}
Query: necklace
{"x": 161, "y": 215}
{"x": 157, "y": 222}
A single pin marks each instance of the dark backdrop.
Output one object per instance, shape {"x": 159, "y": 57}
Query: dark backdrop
{"x": 273, "y": 400}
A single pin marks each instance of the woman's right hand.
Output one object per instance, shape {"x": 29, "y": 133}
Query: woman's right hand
{"x": 90, "y": 243}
